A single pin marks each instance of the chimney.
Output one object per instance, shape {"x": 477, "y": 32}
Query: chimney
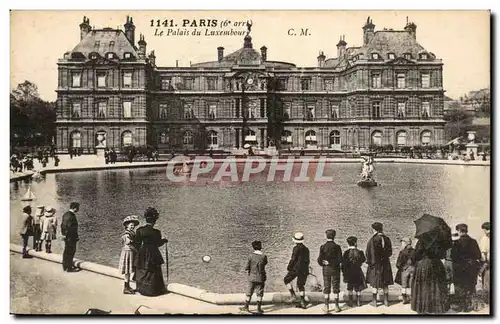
{"x": 411, "y": 28}
{"x": 368, "y": 31}
{"x": 142, "y": 46}
{"x": 263, "y": 53}
{"x": 152, "y": 58}
{"x": 341, "y": 45}
{"x": 220, "y": 53}
{"x": 321, "y": 59}
{"x": 85, "y": 27}
{"x": 130, "y": 30}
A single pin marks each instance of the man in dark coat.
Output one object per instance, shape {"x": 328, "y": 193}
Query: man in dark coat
{"x": 298, "y": 267}
{"x": 69, "y": 231}
{"x": 256, "y": 268}
{"x": 379, "y": 273}
{"x": 406, "y": 269}
{"x": 330, "y": 259}
{"x": 465, "y": 255}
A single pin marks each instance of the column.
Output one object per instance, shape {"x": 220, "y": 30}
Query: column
{"x": 266, "y": 141}
{"x": 237, "y": 137}
{"x": 262, "y": 138}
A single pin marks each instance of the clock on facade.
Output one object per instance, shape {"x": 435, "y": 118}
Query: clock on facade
{"x": 250, "y": 81}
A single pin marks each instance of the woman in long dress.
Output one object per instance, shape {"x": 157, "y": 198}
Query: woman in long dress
{"x": 429, "y": 293}
{"x": 149, "y": 277}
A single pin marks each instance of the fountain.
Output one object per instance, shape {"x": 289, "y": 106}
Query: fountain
{"x": 367, "y": 173}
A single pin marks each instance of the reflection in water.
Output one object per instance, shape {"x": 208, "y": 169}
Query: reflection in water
{"x": 221, "y": 219}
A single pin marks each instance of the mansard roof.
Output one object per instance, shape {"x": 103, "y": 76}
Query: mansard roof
{"x": 99, "y": 41}
{"x": 392, "y": 41}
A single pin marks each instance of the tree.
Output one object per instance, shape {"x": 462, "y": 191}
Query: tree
{"x": 26, "y": 91}
{"x": 457, "y": 123}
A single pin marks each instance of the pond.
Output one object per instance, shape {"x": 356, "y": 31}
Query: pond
{"x": 221, "y": 219}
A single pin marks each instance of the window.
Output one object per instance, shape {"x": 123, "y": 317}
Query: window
{"x": 424, "y": 56}
{"x": 377, "y": 138}
{"x": 311, "y": 137}
{"x": 305, "y": 84}
{"x": 310, "y": 112}
{"x": 250, "y": 137}
{"x": 391, "y": 56}
{"x": 335, "y": 138}
{"x": 101, "y": 80}
{"x": 401, "y": 80}
{"x": 262, "y": 107}
{"x": 127, "y": 109}
{"x": 253, "y": 110}
{"x": 335, "y": 112}
{"x": 188, "y": 84}
{"x": 376, "y": 109}
{"x": 426, "y": 109}
{"x": 76, "y": 110}
{"x": 127, "y": 55}
{"x": 407, "y": 56}
{"x": 127, "y": 79}
{"x": 376, "y": 80}
{"x": 282, "y": 83}
{"x": 164, "y": 138}
{"x": 329, "y": 84}
{"x": 76, "y": 79}
{"x": 163, "y": 111}
{"x": 101, "y": 109}
{"x": 286, "y": 137}
{"x": 237, "y": 107}
{"x": 401, "y": 109}
{"x": 426, "y": 80}
{"x": 375, "y": 56}
{"x": 212, "y": 112}
{"x": 212, "y": 139}
{"x": 211, "y": 83}
{"x": 166, "y": 83}
{"x": 110, "y": 56}
{"x": 97, "y": 44}
{"x": 76, "y": 139}
{"x": 188, "y": 138}
{"x": 188, "y": 111}
{"x": 287, "y": 111}
{"x": 111, "y": 46}
{"x": 127, "y": 138}
{"x": 426, "y": 137}
{"x": 401, "y": 138}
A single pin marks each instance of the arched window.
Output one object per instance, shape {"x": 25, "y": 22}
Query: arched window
{"x": 335, "y": 139}
{"x": 188, "y": 137}
{"x": 127, "y": 138}
{"x": 213, "y": 139}
{"x": 425, "y": 137}
{"x": 76, "y": 139}
{"x": 377, "y": 138}
{"x": 401, "y": 138}
{"x": 164, "y": 138}
{"x": 311, "y": 137}
{"x": 286, "y": 137}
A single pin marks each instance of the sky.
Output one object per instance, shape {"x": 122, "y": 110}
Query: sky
{"x": 460, "y": 38}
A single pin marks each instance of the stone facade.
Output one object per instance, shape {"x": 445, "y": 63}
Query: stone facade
{"x": 387, "y": 91}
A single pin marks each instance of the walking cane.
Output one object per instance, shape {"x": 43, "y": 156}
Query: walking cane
{"x": 166, "y": 260}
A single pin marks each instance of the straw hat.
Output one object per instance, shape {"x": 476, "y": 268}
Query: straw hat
{"x": 298, "y": 237}
{"x": 131, "y": 219}
{"x": 50, "y": 211}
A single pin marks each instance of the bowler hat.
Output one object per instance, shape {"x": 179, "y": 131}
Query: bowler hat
{"x": 257, "y": 245}
{"x": 378, "y": 226}
{"x": 298, "y": 237}
{"x": 130, "y": 219}
{"x": 151, "y": 214}
{"x": 486, "y": 226}
{"x": 352, "y": 240}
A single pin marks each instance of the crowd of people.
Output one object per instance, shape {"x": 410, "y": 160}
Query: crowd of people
{"x": 20, "y": 162}
{"x": 431, "y": 275}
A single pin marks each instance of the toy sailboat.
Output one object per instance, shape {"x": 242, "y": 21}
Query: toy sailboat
{"x": 29, "y": 195}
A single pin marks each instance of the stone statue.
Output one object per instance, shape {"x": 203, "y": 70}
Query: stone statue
{"x": 249, "y": 26}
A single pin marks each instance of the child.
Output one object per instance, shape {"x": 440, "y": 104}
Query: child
{"x": 37, "y": 232}
{"x": 298, "y": 267}
{"x": 129, "y": 252}
{"x": 49, "y": 229}
{"x": 26, "y": 229}
{"x": 330, "y": 258}
{"x": 256, "y": 268}
{"x": 406, "y": 269}
{"x": 351, "y": 269}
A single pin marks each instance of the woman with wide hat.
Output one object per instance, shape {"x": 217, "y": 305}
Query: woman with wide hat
{"x": 149, "y": 277}
{"x": 128, "y": 255}
{"x": 49, "y": 228}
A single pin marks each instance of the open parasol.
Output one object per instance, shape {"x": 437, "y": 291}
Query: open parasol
{"x": 431, "y": 230}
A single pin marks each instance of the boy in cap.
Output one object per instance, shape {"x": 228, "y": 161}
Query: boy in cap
{"x": 256, "y": 268}
{"x": 330, "y": 259}
{"x": 465, "y": 254}
{"x": 298, "y": 267}
{"x": 406, "y": 269}
{"x": 379, "y": 273}
{"x": 351, "y": 268}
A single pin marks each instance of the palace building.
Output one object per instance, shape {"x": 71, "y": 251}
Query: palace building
{"x": 387, "y": 91}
